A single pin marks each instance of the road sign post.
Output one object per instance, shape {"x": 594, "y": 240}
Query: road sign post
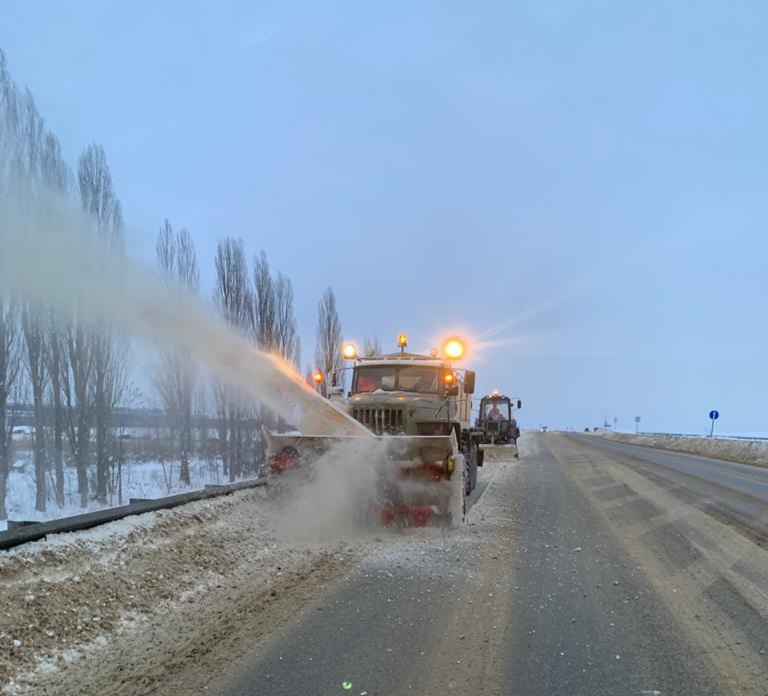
{"x": 637, "y": 425}
{"x": 713, "y": 416}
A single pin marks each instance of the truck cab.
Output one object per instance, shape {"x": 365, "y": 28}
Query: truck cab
{"x": 413, "y": 394}
{"x": 409, "y": 394}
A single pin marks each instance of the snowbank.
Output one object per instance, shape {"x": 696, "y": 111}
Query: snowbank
{"x": 743, "y": 451}
{"x": 74, "y": 595}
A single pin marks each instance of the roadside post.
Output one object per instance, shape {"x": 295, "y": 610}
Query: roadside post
{"x": 713, "y": 416}
{"x": 637, "y": 425}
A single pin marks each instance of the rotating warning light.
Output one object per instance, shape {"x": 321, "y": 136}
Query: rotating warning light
{"x": 453, "y": 349}
{"x": 349, "y": 351}
{"x": 449, "y": 378}
{"x": 402, "y": 341}
{"x": 434, "y": 353}
{"x": 495, "y": 392}
{"x": 317, "y": 377}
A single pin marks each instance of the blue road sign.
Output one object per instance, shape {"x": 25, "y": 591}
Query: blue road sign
{"x": 714, "y": 415}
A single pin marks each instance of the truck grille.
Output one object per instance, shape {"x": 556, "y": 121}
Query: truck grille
{"x": 381, "y": 421}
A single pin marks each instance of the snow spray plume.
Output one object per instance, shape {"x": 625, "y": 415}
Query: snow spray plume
{"x": 341, "y": 493}
{"x": 336, "y": 498}
{"x": 51, "y": 256}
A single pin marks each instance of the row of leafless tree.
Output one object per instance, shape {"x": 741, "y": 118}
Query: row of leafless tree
{"x": 75, "y": 374}
{"x": 260, "y": 307}
{"x": 72, "y": 371}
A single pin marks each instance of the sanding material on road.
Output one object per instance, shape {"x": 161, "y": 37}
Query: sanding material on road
{"x": 575, "y": 575}
{"x": 739, "y": 492}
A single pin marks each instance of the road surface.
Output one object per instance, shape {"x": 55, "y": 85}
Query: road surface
{"x": 586, "y": 568}
{"x": 737, "y": 492}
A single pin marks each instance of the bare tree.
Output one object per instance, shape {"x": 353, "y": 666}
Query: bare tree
{"x": 56, "y": 366}
{"x": 328, "y": 357}
{"x": 232, "y": 293}
{"x": 76, "y": 382}
{"x": 287, "y": 341}
{"x": 274, "y": 324}
{"x": 34, "y": 339}
{"x": 98, "y": 198}
{"x": 8, "y": 122}
{"x": 274, "y": 320}
{"x": 234, "y": 297}
{"x": 57, "y": 176}
{"x": 97, "y": 195}
{"x": 264, "y": 305}
{"x": 372, "y": 346}
{"x": 9, "y": 370}
{"x": 176, "y": 382}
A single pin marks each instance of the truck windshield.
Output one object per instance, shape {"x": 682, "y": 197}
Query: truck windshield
{"x": 369, "y": 379}
{"x": 497, "y": 410}
{"x": 419, "y": 379}
{"x": 392, "y": 378}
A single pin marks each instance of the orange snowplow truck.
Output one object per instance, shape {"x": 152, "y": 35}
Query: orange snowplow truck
{"x": 417, "y": 408}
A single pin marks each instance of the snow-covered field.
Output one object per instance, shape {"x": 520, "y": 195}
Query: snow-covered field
{"x": 744, "y": 451}
{"x": 151, "y": 479}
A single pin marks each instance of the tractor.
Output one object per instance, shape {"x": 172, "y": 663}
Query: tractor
{"x": 495, "y": 419}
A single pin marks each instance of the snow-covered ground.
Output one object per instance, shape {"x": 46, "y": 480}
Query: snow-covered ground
{"x": 73, "y": 594}
{"x": 725, "y": 435}
{"x": 736, "y": 450}
{"x": 152, "y": 479}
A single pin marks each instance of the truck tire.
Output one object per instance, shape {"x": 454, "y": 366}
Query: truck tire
{"x": 467, "y": 474}
{"x": 472, "y": 456}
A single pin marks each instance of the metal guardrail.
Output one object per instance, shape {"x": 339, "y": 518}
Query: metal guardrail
{"x": 22, "y": 532}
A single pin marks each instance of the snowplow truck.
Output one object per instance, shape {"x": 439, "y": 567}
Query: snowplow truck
{"x": 495, "y": 420}
{"x": 416, "y": 410}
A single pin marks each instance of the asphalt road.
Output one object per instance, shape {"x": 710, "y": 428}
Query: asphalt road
{"x": 739, "y": 492}
{"x": 582, "y": 570}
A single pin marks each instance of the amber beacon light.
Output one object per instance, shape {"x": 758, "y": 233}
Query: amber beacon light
{"x": 453, "y": 349}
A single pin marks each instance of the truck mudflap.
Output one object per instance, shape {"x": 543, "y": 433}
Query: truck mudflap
{"x": 419, "y": 479}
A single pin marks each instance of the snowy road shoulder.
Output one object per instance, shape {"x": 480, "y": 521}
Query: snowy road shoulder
{"x": 78, "y": 595}
{"x": 168, "y": 597}
{"x": 754, "y": 452}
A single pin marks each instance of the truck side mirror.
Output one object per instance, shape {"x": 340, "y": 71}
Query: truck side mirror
{"x": 452, "y": 391}
{"x": 519, "y": 403}
{"x": 469, "y": 382}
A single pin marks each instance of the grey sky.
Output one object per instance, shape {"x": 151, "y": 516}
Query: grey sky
{"x": 587, "y": 177}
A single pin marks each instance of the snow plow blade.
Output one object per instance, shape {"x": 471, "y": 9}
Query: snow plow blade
{"x": 419, "y": 479}
{"x": 500, "y": 453}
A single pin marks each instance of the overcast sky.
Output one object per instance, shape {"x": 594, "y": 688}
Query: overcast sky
{"x": 579, "y": 187}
